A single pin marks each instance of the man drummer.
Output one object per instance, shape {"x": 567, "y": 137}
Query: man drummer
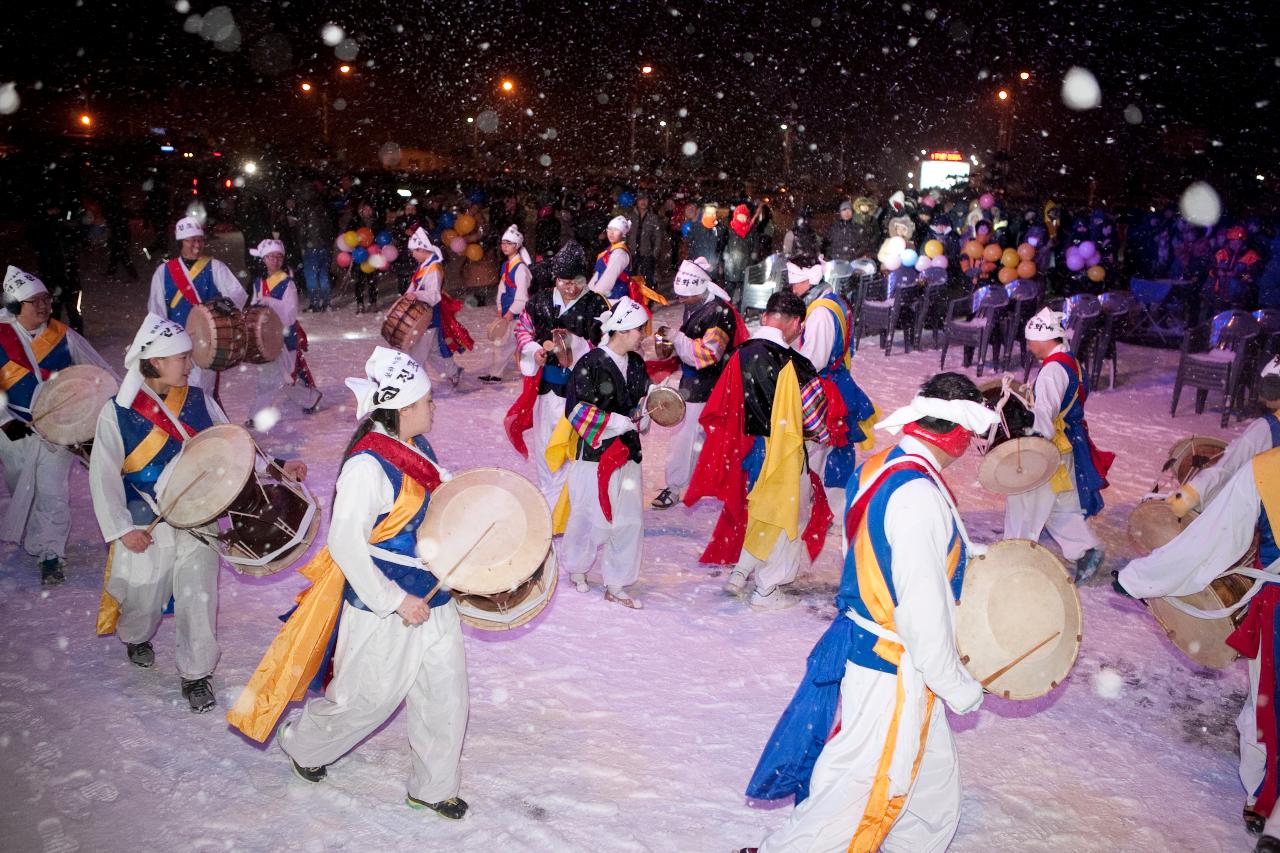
{"x": 765, "y": 405}
{"x": 1065, "y": 503}
{"x": 1246, "y": 505}
{"x": 573, "y": 309}
{"x": 604, "y": 409}
{"x": 888, "y": 776}
{"x": 277, "y": 290}
{"x": 513, "y": 295}
{"x": 612, "y": 275}
{"x": 191, "y": 279}
{"x": 427, "y": 285}
{"x": 709, "y": 329}
{"x": 139, "y": 432}
{"x": 400, "y": 637}
{"x": 34, "y": 346}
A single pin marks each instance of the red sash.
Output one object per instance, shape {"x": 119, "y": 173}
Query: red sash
{"x": 407, "y": 461}
{"x": 146, "y": 405}
{"x": 456, "y": 336}
{"x": 519, "y": 419}
{"x": 14, "y": 349}
{"x": 178, "y": 273}
{"x": 611, "y": 460}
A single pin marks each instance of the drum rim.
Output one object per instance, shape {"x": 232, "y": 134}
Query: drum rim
{"x": 1034, "y": 444}
{"x": 89, "y": 374}
{"x": 667, "y": 391}
{"x": 249, "y": 474}
{"x": 552, "y": 570}
{"x": 1145, "y": 507}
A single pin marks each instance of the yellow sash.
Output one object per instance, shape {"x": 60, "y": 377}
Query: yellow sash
{"x": 196, "y": 269}
{"x": 1061, "y": 481}
{"x": 772, "y": 506}
{"x": 561, "y": 449}
{"x": 140, "y": 457}
{"x": 41, "y": 345}
{"x": 1266, "y": 476}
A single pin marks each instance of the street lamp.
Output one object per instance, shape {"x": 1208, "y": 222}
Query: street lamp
{"x": 86, "y": 120}
{"x": 344, "y": 69}
{"x": 508, "y": 86}
{"x": 1025, "y": 75}
{"x": 646, "y": 70}
{"x": 306, "y": 87}
{"x": 1002, "y": 95}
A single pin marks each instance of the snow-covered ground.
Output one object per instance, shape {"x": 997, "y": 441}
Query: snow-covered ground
{"x": 597, "y": 728}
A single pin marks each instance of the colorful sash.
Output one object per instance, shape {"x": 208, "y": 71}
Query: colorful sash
{"x": 51, "y": 353}
{"x": 184, "y": 281}
{"x": 1072, "y": 435}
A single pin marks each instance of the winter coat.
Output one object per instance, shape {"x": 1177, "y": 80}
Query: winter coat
{"x": 645, "y": 235}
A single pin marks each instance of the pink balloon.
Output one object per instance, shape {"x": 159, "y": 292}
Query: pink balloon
{"x": 374, "y": 249}
{"x": 1088, "y": 249}
{"x": 390, "y": 252}
{"x": 340, "y": 245}
{"x": 987, "y": 200}
{"x": 940, "y": 262}
{"x": 457, "y": 245}
{"x": 344, "y": 259}
{"x": 1075, "y": 263}
{"x": 923, "y": 263}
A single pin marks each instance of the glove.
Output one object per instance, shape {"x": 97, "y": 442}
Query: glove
{"x": 967, "y": 704}
{"x": 632, "y": 442}
{"x": 1183, "y": 501}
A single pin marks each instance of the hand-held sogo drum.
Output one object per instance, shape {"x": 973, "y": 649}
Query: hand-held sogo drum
{"x": 265, "y": 525}
{"x": 1153, "y": 523}
{"x": 407, "y": 321}
{"x": 499, "y": 526}
{"x": 66, "y": 408}
{"x": 562, "y": 348}
{"x": 218, "y": 339}
{"x": 1018, "y": 597}
{"x": 665, "y": 405}
{"x": 264, "y": 334}
{"x": 1013, "y": 462}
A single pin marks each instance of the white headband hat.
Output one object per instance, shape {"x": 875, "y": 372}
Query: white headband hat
{"x": 621, "y": 223}
{"x": 974, "y": 417}
{"x": 1045, "y": 326}
{"x": 19, "y": 285}
{"x": 797, "y": 274}
{"x": 627, "y": 314}
{"x": 513, "y": 235}
{"x": 1272, "y": 367}
{"x": 692, "y": 278}
{"x": 392, "y": 380}
{"x": 419, "y": 240}
{"x": 157, "y": 338}
{"x": 188, "y": 226}
{"x": 267, "y": 247}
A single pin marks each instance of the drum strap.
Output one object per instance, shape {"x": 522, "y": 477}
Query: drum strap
{"x": 1006, "y": 391}
{"x": 1261, "y": 577}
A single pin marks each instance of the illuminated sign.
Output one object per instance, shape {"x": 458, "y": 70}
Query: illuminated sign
{"x": 947, "y": 156}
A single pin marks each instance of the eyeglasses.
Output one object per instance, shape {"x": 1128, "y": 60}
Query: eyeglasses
{"x": 41, "y": 300}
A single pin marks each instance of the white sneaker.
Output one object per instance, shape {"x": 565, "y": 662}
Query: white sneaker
{"x": 579, "y": 581}
{"x": 773, "y": 599}
{"x": 736, "y": 583}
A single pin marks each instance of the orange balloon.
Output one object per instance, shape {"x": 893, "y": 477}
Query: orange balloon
{"x": 1009, "y": 257}
{"x": 366, "y": 236}
{"x": 1007, "y": 275}
{"x": 1096, "y": 273}
{"x": 1027, "y": 252}
{"x": 474, "y": 252}
{"x": 991, "y": 253}
{"x": 1027, "y": 269}
{"x": 973, "y": 249}
{"x": 448, "y": 235}
{"x": 465, "y": 224}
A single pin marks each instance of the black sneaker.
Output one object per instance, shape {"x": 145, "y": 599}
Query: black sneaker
{"x": 489, "y": 377}
{"x": 664, "y": 500}
{"x": 141, "y": 654}
{"x": 453, "y": 808}
{"x": 309, "y": 774}
{"x": 314, "y": 407}
{"x": 199, "y": 694}
{"x": 51, "y": 571}
{"x": 1088, "y": 563}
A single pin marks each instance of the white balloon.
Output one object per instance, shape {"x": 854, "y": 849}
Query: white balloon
{"x": 892, "y": 263}
{"x": 1200, "y": 205}
{"x": 1080, "y": 90}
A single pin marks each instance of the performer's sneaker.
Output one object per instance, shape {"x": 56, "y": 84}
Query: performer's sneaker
{"x": 489, "y": 377}
{"x": 619, "y": 596}
{"x": 736, "y": 583}
{"x": 1253, "y": 821}
{"x": 1268, "y": 844}
{"x": 579, "y": 580}
{"x": 198, "y": 694}
{"x": 453, "y": 808}
{"x": 664, "y": 500}
{"x": 141, "y": 654}
{"x": 774, "y": 599}
{"x": 309, "y": 774}
{"x": 1089, "y": 563}
{"x": 51, "y": 571}
{"x": 314, "y": 407}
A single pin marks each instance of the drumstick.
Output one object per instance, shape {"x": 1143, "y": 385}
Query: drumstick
{"x": 53, "y": 409}
{"x": 1020, "y": 658}
{"x": 173, "y": 503}
{"x": 440, "y": 579}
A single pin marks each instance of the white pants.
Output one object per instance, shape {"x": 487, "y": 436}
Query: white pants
{"x": 39, "y": 514}
{"x": 1253, "y": 753}
{"x": 548, "y": 409}
{"x": 686, "y": 444}
{"x": 378, "y": 664}
{"x": 427, "y": 353}
{"x": 818, "y": 454}
{"x": 1027, "y": 514}
{"x": 176, "y": 564}
{"x": 783, "y": 563}
{"x": 275, "y": 380}
{"x": 587, "y": 529}
{"x": 842, "y": 778}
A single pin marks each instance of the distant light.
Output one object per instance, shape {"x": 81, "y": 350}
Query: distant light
{"x": 250, "y": 167}
{"x": 217, "y": 154}
{"x": 227, "y": 183}
{"x": 403, "y": 193}
{"x": 168, "y": 149}
{"x": 1261, "y": 177}
{"x": 911, "y": 174}
{"x": 345, "y": 69}
{"x": 86, "y": 119}
{"x": 1002, "y": 95}
{"x": 662, "y": 122}
{"x": 195, "y": 182}
{"x": 471, "y": 120}
{"x": 782, "y": 127}
{"x": 187, "y": 154}
{"x": 306, "y": 87}
{"x": 646, "y": 69}
{"x": 1025, "y": 75}
{"x": 508, "y": 86}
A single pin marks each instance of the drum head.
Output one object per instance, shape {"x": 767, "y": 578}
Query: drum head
{"x": 1152, "y": 525}
{"x": 1016, "y": 596}
{"x": 266, "y": 333}
{"x": 1019, "y": 465}
{"x": 665, "y": 406}
{"x": 222, "y": 459}
{"x": 1203, "y": 640}
{"x": 508, "y": 610}
{"x": 502, "y": 511}
{"x": 498, "y": 330}
{"x": 1194, "y": 454}
{"x": 204, "y": 336}
{"x": 67, "y": 408}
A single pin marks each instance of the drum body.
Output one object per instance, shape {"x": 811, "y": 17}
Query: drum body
{"x": 1015, "y": 418}
{"x": 1153, "y": 524}
{"x": 663, "y": 349}
{"x": 407, "y": 321}
{"x": 264, "y": 334}
{"x": 1205, "y": 640}
{"x": 506, "y": 610}
{"x": 1192, "y": 455}
{"x": 665, "y": 405}
{"x": 1014, "y": 462}
{"x": 218, "y": 339}
{"x": 1015, "y": 597}
{"x": 562, "y": 348}
{"x": 66, "y": 409}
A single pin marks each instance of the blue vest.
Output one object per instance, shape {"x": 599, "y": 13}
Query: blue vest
{"x": 204, "y": 287}
{"x": 842, "y": 460}
{"x": 277, "y": 292}
{"x": 134, "y": 428}
{"x": 20, "y": 393}
{"x": 509, "y": 267}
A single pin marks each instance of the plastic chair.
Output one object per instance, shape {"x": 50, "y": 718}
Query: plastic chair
{"x": 1221, "y": 367}
{"x": 761, "y": 281}
{"x": 932, "y": 310}
{"x": 1119, "y": 310}
{"x": 974, "y": 323}
{"x": 886, "y": 316}
{"x": 1024, "y": 302}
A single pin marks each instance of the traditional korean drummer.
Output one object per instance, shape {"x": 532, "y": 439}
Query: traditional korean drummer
{"x": 427, "y": 286}
{"x": 277, "y": 290}
{"x": 139, "y": 432}
{"x": 33, "y": 346}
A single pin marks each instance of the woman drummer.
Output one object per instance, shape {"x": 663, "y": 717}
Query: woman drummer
{"x": 277, "y": 290}
{"x": 399, "y": 635}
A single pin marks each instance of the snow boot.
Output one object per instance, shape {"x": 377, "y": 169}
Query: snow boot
{"x": 141, "y": 654}
{"x": 51, "y": 571}
{"x": 1253, "y": 821}
{"x": 198, "y": 694}
{"x": 579, "y": 580}
{"x": 737, "y": 583}
{"x": 453, "y": 808}
{"x": 772, "y": 599}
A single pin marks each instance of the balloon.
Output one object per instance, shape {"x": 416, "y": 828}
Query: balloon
{"x": 341, "y": 244}
{"x": 923, "y": 263}
{"x": 909, "y": 257}
{"x": 1027, "y": 252}
{"x": 986, "y": 201}
{"x": 1093, "y": 260}
{"x": 446, "y": 219}
{"x": 1096, "y": 273}
{"x": 1007, "y": 275}
{"x": 378, "y": 262}
{"x": 991, "y": 253}
{"x": 366, "y": 268}
{"x": 973, "y": 249}
{"x": 1088, "y": 249}
{"x": 464, "y": 224}
{"x": 684, "y": 229}
{"x": 1009, "y": 258}
{"x": 1026, "y": 269}
{"x": 626, "y": 199}
{"x": 1075, "y": 263}
{"x": 940, "y": 262}
{"x": 382, "y": 238}
{"x": 390, "y": 252}
{"x": 892, "y": 263}
{"x": 343, "y": 260}
{"x": 933, "y": 248}
{"x": 448, "y": 234}
{"x": 474, "y": 252}
{"x": 457, "y": 245}
{"x": 366, "y": 236}
{"x": 351, "y": 238}
{"x": 360, "y": 254}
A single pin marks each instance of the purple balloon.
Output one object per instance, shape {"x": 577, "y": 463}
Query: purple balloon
{"x": 1088, "y": 249}
{"x": 987, "y": 201}
{"x": 1075, "y": 263}
{"x": 1073, "y": 251}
